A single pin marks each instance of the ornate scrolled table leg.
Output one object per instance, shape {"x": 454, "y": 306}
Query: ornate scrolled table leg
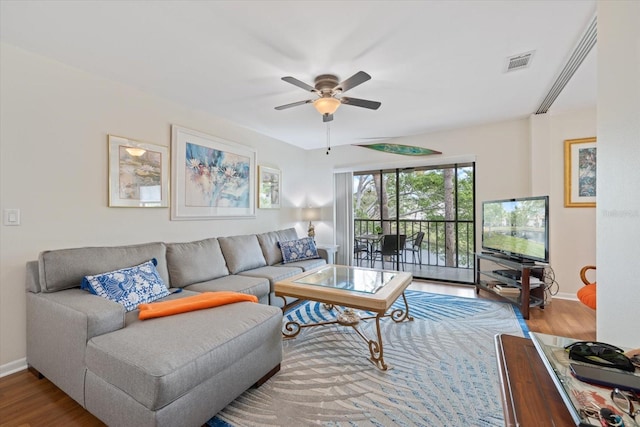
{"x": 376, "y": 349}
{"x": 347, "y": 317}
{"x": 291, "y": 329}
{"x": 399, "y": 315}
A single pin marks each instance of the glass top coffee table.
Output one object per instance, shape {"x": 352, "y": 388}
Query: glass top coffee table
{"x": 343, "y": 288}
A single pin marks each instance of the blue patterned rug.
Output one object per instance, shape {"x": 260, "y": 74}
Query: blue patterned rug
{"x": 443, "y": 370}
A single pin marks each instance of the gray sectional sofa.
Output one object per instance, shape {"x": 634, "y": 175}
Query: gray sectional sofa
{"x": 178, "y": 370}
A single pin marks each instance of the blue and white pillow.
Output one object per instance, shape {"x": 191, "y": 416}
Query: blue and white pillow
{"x": 297, "y": 250}
{"x": 129, "y": 286}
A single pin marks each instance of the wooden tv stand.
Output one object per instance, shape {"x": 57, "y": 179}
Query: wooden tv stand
{"x": 528, "y": 296}
{"x": 529, "y": 396}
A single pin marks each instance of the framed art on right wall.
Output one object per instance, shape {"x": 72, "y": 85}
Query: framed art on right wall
{"x": 580, "y": 173}
{"x": 269, "y": 187}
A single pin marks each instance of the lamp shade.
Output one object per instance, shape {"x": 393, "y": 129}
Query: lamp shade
{"x": 311, "y": 214}
{"x": 326, "y": 105}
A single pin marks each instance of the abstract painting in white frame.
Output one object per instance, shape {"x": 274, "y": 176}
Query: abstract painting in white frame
{"x": 212, "y": 178}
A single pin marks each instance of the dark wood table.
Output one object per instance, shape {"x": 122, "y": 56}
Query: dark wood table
{"x": 529, "y": 396}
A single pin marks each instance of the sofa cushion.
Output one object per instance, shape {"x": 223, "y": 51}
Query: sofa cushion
{"x": 128, "y": 286}
{"x": 287, "y": 234}
{"x": 306, "y": 264}
{"x": 65, "y": 268}
{"x": 270, "y": 248}
{"x": 258, "y": 286}
{"x": 298, "y": 250}
{"x": 272, "y": 273}
{"x": 159, "y": 360}
{"x": 194, "y": 262}
{"x": 242, "y": 252}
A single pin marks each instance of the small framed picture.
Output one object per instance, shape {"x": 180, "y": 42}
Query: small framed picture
{"x": 580, "y": 173}
{"x": 138, "y": 174}
{"x": 270, "y": 187}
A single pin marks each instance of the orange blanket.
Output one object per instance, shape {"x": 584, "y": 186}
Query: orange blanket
{"x": 195, "y": 302}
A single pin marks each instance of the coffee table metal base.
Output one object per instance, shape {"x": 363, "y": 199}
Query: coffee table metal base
{"x": 292, "y": 328}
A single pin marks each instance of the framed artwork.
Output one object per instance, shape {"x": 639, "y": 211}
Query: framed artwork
{"x": 580, "y": 172}
{"x": 211, "y": 178}
{"x": 138, "y": 174}
{"x": 270, "y": 187}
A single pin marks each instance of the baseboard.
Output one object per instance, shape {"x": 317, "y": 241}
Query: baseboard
{"x": 564, "y": 295}
{"x": 13, "y": 367}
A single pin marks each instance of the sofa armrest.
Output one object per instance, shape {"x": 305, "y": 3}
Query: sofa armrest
{"x": 59, "y": 325}
{"x": 324, "y": 254}
{"x": 78, "y": 308}
{"x": 32, "y": 281}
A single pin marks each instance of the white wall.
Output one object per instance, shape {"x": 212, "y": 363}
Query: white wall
{"x": 53, "y": 167}
{"x": 618, "y": 205}
{"x": 572, "y": 237}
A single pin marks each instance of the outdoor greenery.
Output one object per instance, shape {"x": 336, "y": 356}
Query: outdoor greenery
{"x": 432, "y": 200}
{"x": 502, "y": 219}
{"x": 515, "y": 244}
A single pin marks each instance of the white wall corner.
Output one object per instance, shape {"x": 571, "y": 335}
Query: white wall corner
{"x": 618, "y": 207}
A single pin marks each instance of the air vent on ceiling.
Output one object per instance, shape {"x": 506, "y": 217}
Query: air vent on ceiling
{"x": 518, "y": 62}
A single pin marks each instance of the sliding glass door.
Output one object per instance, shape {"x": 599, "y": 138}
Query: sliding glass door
{"x": 433, "y": 207}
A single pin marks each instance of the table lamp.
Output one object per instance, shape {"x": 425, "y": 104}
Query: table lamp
{"x": 311, "y": 214}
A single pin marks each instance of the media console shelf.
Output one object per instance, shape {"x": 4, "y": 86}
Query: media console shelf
{"x": 525, "y": 293}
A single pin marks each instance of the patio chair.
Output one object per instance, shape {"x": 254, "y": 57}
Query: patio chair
{"x": 360, "y": 248}
{"x": 393, "y": 247}
{"x": 415, "y": 247}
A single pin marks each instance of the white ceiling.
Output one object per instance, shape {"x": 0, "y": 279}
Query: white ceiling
{"x": 435, "y": 65}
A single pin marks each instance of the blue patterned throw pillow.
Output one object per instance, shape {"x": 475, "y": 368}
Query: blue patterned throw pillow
{"x": 297, "y": 250}
{"x": 129, "y": 286}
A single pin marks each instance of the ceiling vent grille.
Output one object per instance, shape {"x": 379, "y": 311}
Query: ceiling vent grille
{"x": 519, "y": 62}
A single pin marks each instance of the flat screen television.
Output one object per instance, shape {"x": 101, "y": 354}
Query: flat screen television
{"x": 517, "y": 228}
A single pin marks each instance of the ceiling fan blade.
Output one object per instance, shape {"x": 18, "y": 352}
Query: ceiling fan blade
{"x": 357, "y": 102}
{"x": 353, "y": 81}
{"x": 298, "y": 83}
{"x": 327, "y": 117}
{"x": 294, "y": 104}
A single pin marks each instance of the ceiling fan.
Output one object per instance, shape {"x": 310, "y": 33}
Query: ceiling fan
{"x": 329, "y": 88}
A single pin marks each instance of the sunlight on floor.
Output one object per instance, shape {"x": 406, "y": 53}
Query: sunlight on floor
{"x": 441, "y": 288}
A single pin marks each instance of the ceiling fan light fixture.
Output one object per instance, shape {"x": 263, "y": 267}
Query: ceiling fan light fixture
{"x": 326, "y": 105}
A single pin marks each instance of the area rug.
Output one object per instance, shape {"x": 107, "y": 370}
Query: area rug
{"x": 443, "y": 370}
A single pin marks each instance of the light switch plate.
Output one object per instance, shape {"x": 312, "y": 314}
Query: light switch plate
{"x": 11, "y": 217}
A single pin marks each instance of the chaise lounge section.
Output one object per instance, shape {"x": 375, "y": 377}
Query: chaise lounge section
{"x": 167, "y": 371}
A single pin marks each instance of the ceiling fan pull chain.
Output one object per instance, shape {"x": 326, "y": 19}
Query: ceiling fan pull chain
{"x": 328, "y": 137}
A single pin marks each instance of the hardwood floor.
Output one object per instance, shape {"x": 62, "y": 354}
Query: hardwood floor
{"x": 26, "y": 401}
{"x": 559, "y": 317}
